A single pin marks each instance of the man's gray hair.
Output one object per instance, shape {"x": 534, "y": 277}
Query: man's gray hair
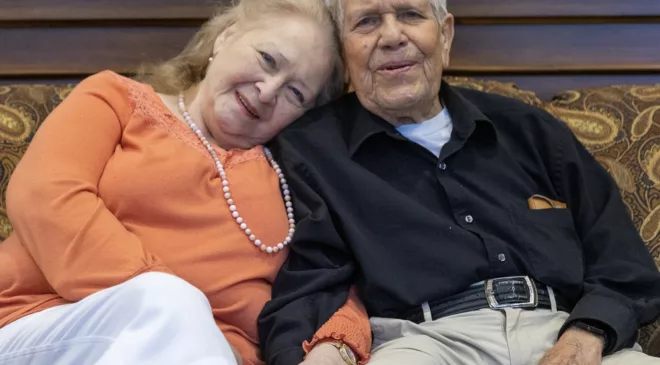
{"x": 336, "y": 8}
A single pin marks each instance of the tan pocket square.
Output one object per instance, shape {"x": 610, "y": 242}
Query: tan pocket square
{"x": 537, "y": 202}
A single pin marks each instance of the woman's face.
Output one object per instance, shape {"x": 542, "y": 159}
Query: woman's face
{"x": 263, "y": 76}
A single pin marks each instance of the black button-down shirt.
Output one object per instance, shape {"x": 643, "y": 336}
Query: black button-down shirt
{"x": 377, "y": 210}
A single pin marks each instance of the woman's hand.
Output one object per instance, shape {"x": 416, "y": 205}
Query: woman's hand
{"x": 323, "y": 354}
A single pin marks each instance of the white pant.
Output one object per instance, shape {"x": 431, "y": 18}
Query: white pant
{"x": 484, "y": 337}
{"x": 154, "y": 318}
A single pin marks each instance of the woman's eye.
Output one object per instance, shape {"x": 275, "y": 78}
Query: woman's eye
{"x": 298, "y": 95}
{"x": 268, "y": 58}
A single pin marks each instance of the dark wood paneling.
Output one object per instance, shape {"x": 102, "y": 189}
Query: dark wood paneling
{"x": 72, "y": 79}
{"x": 87, "y": 50}
{"x": 104, "y": 9}
{"x": 553, "y": 8}
{"x": 547, "y": 86}
{"x": 477, "y": 49}
{"x": 541, "y": 45}
{"x": 556, "y": 48}
{"x": 200, "y": 9}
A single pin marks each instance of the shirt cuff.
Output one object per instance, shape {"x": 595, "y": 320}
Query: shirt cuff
{"x": 618, "y": 319}
{"x": 361, "y": 354}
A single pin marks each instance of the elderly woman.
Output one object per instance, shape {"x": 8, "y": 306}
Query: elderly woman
{"x": 149, "y": 220}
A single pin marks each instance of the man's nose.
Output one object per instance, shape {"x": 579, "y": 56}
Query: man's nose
{"x": 392, "y": 36}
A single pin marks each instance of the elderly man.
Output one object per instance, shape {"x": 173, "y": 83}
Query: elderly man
{"x": 476, "y": 229}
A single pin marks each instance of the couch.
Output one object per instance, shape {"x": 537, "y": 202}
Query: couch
{"x": 620, "y": 125}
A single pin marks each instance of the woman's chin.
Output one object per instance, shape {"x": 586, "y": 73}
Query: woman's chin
{"x": 232, "y": 139}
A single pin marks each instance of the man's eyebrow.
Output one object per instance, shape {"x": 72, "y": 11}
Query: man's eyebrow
{"x": 406, "y": 7}
{"x": 363, "y": 11}
{"x": 371, "y": 9}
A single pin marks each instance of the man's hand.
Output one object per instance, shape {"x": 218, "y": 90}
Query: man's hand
{"x": 575, "y": 347}
{"x": 324, "y": 354}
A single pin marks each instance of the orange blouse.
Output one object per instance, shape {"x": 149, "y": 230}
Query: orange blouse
{"x": 113, "y": 185}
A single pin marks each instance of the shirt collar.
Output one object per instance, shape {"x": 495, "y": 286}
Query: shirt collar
{"x": 466, "y": 117}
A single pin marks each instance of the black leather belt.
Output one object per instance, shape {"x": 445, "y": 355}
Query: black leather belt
{"x": 500, "y": 293}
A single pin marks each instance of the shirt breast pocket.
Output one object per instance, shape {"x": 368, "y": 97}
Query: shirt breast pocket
{"x": 552, "y": 243}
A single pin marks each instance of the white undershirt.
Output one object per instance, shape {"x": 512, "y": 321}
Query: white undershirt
{"x": 431, "y": 134}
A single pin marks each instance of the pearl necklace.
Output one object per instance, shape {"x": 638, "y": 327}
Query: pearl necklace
{"x": 225, "y": 187}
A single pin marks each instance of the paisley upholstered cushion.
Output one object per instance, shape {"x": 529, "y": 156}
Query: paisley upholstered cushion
{"x": 502, "y": 88}
{"x": 22, "y": 109}
{"x": 620, "y": 125}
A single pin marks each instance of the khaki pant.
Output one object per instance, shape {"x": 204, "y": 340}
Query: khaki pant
{"x": 511, "y": 337}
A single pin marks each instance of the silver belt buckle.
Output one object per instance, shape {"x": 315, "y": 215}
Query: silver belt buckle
{"x": 492, "y": 302}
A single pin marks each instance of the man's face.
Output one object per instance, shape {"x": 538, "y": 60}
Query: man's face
{"x": 395, "y": 53}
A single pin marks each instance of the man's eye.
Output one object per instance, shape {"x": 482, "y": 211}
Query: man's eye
{"x": 410, "y": 15}
{"x": 268, "y": 58}
{"x": 366, "y": 22}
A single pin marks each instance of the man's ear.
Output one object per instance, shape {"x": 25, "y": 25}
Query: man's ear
{"x": 447, "y": 34}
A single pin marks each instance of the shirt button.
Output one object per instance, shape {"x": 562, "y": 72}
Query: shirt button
{"x": 469, "y": 219}
{"x": 501, "y": 257}
{"x": 442, "y": 166}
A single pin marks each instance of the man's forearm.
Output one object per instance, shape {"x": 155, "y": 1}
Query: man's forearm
{"x": 617, "y": 319}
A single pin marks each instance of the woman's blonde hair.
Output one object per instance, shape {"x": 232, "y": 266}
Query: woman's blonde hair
{"x": 188, "y": 68}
